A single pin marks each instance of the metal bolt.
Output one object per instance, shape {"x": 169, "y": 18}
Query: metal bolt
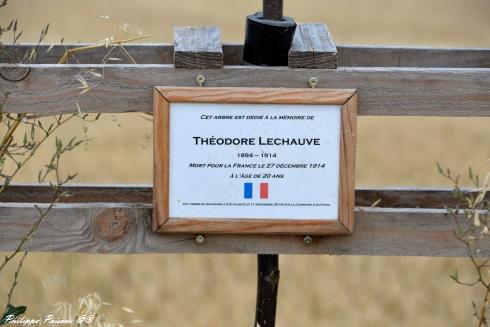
{"x": 313, "y": 82}
{"x": 200, "y": 239}
{"x": 307, "y": 240}
{"x": 200, "y": 79}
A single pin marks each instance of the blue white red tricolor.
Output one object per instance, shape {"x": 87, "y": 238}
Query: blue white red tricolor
{"x": 263, "y": 191}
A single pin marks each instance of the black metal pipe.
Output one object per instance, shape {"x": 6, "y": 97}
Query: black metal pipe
{"x": 268, "y": 36}
{"x": 272, "y": 9}
{"x": 267, "y": 287}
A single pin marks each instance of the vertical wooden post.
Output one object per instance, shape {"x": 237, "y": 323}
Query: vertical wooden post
{"x": 272, "y": 9}
{"x": 268, "y": 264}
{"x": 267, "y": 287}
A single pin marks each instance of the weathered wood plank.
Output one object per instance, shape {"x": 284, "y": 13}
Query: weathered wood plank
{"x": 348, "y": 55}
{"x": 78, "y": 193}
{"x": 145, "y": 53}
{"x": 53, "y": 89}
{"x": 396, "y": 56}
{"x": 313, "y": 47}
{"x": 405, "y": 197}
{"x": 118, "y": 228}
{"x": 142, "y": 194}
{"x": 198, "y": 47}
{"x": 141, "y": 53}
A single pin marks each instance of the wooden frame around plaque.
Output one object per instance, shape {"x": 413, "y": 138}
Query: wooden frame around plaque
{"x": 162, "y": 99}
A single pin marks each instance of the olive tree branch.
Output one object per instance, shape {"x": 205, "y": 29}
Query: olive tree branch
{"x": 472, "y": 227}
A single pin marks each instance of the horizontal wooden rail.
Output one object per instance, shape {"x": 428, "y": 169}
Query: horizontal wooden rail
{"x": 407, "y": 197}
{"x": 115, "y": 219}
{"x": 390, "y": 80}
{"x": 124, "y": 228}
{"x": 78, "y": 193}
{"x": 54, "y": 89}
{"x": 349, "y": 55}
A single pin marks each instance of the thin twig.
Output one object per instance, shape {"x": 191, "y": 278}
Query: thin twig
{"x": 71, "y": 52}
{"x": 16, "y": 276}
{"x": 483, "y": 309}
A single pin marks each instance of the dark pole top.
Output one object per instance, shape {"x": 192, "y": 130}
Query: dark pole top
{"x": 272, "y": 9}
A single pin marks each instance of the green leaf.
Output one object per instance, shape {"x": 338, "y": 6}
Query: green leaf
{"x": 58, "y": 144}
{"x": 439, "y": 168}
{"x": 454, "y": 276}
{"x": 71, "y": 177}
{"x": 71, "y": 142}
{"x": 12, "y": 311}
{"x": 33, "y": 132}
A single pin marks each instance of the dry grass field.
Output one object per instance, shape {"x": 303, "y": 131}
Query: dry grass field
{"x": 219, "y": 290}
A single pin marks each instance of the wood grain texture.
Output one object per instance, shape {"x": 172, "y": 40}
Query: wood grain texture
{"x": 78, "y": 193}
{"x": 161, "y": 125}
{"x": 313, "y": 47}
{"x": 241, "y": 226}
{"x": 143, "y": 194}
{"x": 255, "y": 95}
{"x": 348, "y": 55}
{"x": 348, "y": 162}
{"x": 341, "y": 224}
{"x": 198, "y": 47}
{"x": 73, "y": 228}
{"x": 409, "y": 197}
{"x": 398, "y": 56}
{"x": 53, "y": 89}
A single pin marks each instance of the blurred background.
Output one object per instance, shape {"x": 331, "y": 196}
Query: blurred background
{"x": 219, "y": 290}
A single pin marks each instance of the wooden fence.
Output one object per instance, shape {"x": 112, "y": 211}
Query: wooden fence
{"x": 391, "y": 81}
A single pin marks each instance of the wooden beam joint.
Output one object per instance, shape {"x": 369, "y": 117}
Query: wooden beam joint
{"x": 198, "y": 47}
{"x": 313, "y": 47}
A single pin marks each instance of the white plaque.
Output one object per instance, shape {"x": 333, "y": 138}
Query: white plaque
{"x": 271, "y": 161}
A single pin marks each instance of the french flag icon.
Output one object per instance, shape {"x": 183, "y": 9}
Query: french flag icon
{"x": 248, "y": 191}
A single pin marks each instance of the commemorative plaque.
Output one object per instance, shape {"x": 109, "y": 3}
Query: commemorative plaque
{"x": 254, "y": 160}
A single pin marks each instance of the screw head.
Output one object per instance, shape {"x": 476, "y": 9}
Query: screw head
{"x": 313, "y": 82}
{"x": 308, "y": 240}
{"x": 200, "y": 239}
{"x": 200, "y": 79}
